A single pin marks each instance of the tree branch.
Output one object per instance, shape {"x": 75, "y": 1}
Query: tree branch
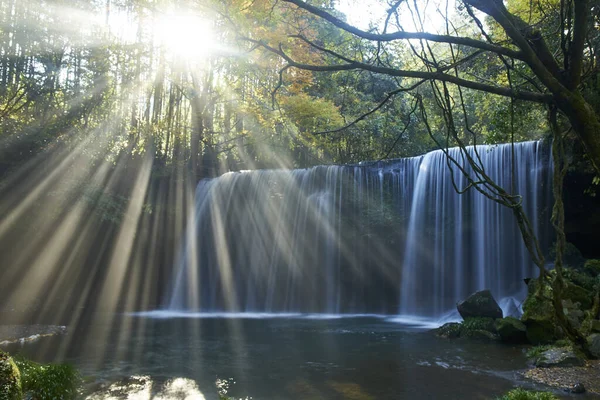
{"x": 401, "y": 35}
{"x": 427, "y": 75}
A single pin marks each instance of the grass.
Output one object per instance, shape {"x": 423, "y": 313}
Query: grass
{"x": 522, "y": 394}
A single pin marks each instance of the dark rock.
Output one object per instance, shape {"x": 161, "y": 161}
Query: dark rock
{"x": 451, "y": 330}
{"x": 577, "y": 388}
{"x": 573, "y": 313}
{"x": 479, "y": 324}
{"x": 559, "y": 357}
{"x": 539, "y": 320}
{"x": 480, "y": 334}
{"x": 511, "y": 330}
{"x": 577, "y": 294}
{"x": 593, "y": 342}
{"x": 479, "y": 304}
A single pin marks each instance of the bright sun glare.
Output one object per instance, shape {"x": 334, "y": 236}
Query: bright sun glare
{"x": 185, "y": 36}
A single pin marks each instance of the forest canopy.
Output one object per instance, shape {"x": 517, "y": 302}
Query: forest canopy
{"x": 249, "y": 84}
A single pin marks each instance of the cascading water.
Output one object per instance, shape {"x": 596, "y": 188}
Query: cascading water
{"x": 394, "y": 237}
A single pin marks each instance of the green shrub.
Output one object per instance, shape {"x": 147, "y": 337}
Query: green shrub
{"x": 592, "y": 267}
{"x": 522, "y": 394}
{"x": 49, "y": 381}
{"x": 10, "y": 379}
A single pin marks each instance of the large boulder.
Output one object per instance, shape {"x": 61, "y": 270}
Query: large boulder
{"x": 10, "y": 379}
{"x": 479, "y": 305}
{"x": 511, "y": 330}
{"x": 540, "y": 322}
{"x": 450, "y": 330}
{"x": 559, "y": 357}
{"x": 593, "y": 342}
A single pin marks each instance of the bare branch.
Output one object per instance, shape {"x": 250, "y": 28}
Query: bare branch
{"x": 401, "y": 35}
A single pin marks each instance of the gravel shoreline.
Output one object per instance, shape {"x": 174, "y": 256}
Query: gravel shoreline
{"x": 567, "y": 377}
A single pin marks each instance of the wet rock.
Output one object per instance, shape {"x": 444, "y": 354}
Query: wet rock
{"x": 559, "y": 357}
{"x": 593, "y": 342}
{"x": 481, "y": 335}
{"x": 511, "y": 330}
{"x": 577, "y": 294}
{"x": 451, "y": 330}
{"x": 538, "y": 317}
{"x": 577, "y": 388}
{"x": 479, "y": 304}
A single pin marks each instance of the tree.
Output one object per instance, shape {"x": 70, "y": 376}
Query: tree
{"x": 541, "y": 52}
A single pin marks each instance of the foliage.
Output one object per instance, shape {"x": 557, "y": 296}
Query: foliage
{"x": 10, "y": 378}
{"x": 49, "y": 381}
{"x": 522, "y": 394}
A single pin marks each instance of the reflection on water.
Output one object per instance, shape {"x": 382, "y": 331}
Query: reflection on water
{"x": 281, "y": 358}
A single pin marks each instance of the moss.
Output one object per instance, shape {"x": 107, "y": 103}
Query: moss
{"x": 479, "y": 324}
{"x": 49, "y": 381}
{"x": 522, "y": 394}
{"x": 10, "y": 379}
{"x": 450, "y": 330}
{"x": 578, "y": 294}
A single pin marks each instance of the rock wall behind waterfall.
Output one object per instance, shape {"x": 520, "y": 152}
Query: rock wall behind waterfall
{"x": 385, "y": 238}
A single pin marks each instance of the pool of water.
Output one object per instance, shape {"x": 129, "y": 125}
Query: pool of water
{"x": 282, "y": 357}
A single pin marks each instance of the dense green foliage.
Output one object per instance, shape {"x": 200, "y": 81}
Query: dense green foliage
{"x": 49, "y": 381}
{"x": 10, "y": 379}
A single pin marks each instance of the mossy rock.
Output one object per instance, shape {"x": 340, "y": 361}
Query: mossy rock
{"x": 10, "y": 379}
{"x": 539, "y": 320}
{"x": 559, "y": 357}
{"x": 595, "y": 326}
{"x": 522, "y": 394}
{"x": 450, "y": 330}
{"x": 481, "y": 335}
{"x": 480, "y": 304}
{"x": 577, "y": 294}
{"x": 593, "y": 342}
{"x": 479, "y": 324}
{"x": 511, "y": 330}
{"x": 592, "y": 267}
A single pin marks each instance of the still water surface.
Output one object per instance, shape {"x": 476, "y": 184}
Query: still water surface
{"x": 285, "y": 357}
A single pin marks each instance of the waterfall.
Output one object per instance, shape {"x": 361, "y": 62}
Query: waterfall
{"x": 388, "y": 237}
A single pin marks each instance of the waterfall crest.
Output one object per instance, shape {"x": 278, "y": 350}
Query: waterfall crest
{"x": 394, "y": 237}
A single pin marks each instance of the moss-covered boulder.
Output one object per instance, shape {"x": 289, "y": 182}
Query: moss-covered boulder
{"x": 479, "y": 324}
{"x": 511, "y": 330}
{"x": 450, "y": 330}
{"x": 540, "y": 322}
{"x": 480, "y": 335}
{"x": 479, "y": 305}
{"x": 577, "y": 294}
{"x": 595, "y": 326}
{"x": 593, "y": 342}
{"x": 10, "y": 379}
{"x": 559, "y": 357}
